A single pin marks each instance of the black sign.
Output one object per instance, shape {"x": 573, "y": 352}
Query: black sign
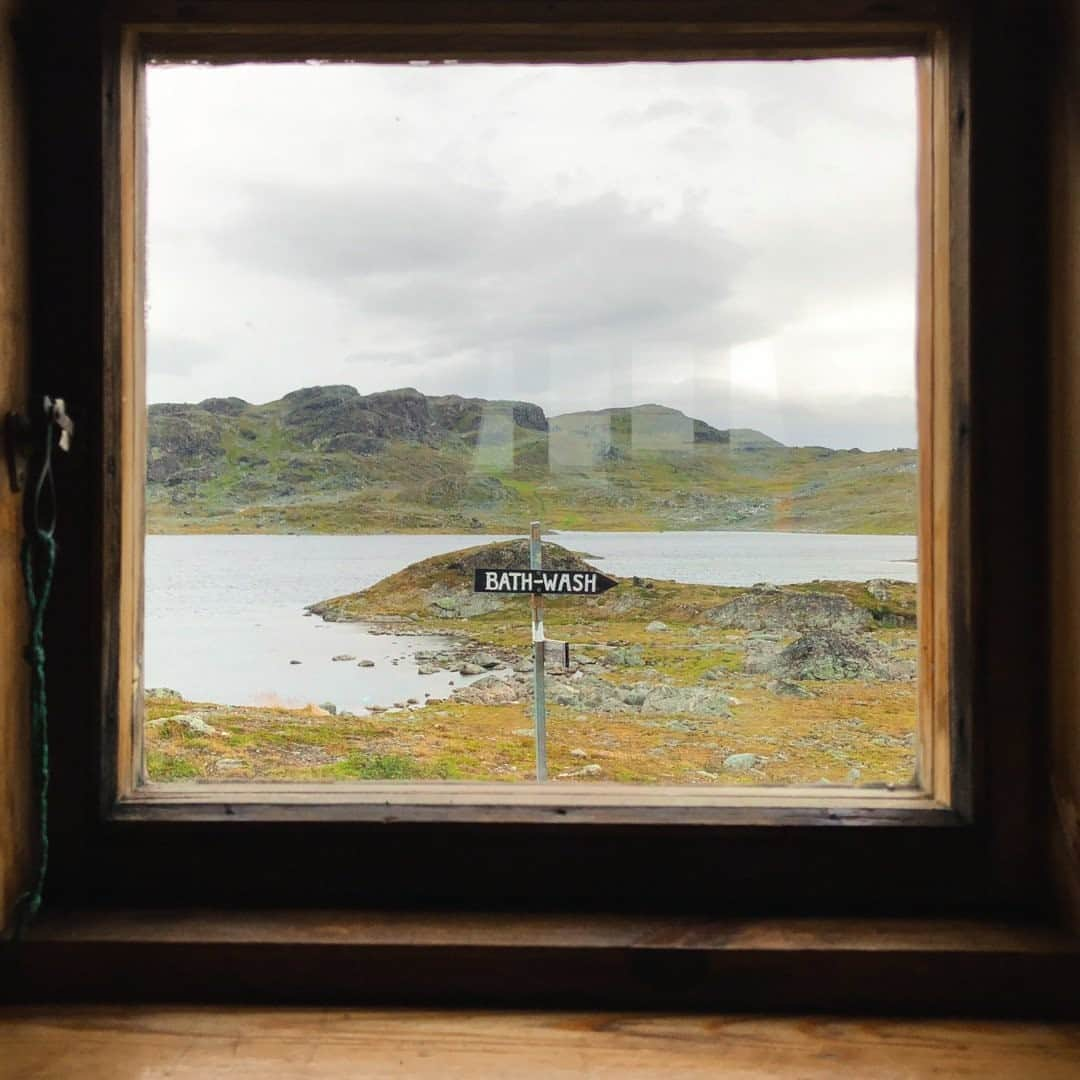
{"x": 548, "y": 582}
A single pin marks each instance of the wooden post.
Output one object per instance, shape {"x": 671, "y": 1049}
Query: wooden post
{"x": 539, "y": 705}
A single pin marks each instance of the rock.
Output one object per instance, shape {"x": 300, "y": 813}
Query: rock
{"x": 742, "y": 762}
{"x": 878, "y": 588}
{"x": 772, "y": 608}
{"x": 426, "y": 669}
{"x": 626, "y": 656}
{"x": 295, "y": 661}
{"x": 828, "y": 655}
{"x": 366, "y": 663}
{"x": 490, "y": 690}
{"x": 783, "y": 688}
{"x": 761, "y": 655}
{"x": 591, "y": 770}
{"x": 485, "y": 660}
{"x": 193, "y": 722}
{"x": 470, "y": 669}
{"x": 412, "y": 701}
{"x": 343, "y": 656}
{"x": 579, "y": 753}
{"x": 330, "y": 707}
{"x": 463, "y": 605}
{"x": 226, "y": 764}
{"x": 656, "y": 626}
{"x": 688, "y": 700}
{"x": 162, "y": 695}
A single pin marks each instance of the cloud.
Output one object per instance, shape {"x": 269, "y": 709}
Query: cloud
{"x": 580, "y": 236}
{"x": 448, "y": 269}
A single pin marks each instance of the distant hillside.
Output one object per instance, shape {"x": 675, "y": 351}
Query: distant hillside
{"x": 329, "y": 459}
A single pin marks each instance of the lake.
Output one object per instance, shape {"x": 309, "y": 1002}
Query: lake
{"x": 225, "y": 614}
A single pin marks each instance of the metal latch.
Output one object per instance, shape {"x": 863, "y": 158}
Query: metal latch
{"x": 19, "y": 438}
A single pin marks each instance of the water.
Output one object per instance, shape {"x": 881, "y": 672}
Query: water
{"x": 225, "y": 614}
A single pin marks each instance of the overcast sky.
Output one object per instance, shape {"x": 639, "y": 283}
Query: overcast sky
{"x": 736, "y": 240}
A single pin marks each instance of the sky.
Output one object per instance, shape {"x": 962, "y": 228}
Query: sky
{"x": 736, "y": 240}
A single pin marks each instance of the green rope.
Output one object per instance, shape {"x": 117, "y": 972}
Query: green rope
{"x": 40, "y": 539}
{"x": 29, "y": 902}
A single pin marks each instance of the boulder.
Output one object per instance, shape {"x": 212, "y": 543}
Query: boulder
{"x": 829, "y": 656}
{"x": 491, "y": 690}
{"x": 688, "y": 700}
{"x": 742, "y": 762}
{"x": 163, "y": 695}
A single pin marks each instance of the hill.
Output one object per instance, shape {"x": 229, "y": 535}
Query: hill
{"x": 329, "y": 459}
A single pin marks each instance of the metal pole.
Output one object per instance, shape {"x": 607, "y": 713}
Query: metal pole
{"x": 539, "y": 705}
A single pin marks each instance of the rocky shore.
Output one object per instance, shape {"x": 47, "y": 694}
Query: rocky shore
{"x": 679, "y": 683}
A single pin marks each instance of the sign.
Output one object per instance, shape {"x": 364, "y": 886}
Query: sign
{"x": 557, "y": 654}
{"x": 544, "y": 582}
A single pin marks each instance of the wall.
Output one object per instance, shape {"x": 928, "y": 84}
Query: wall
{"x": 14, "y": 318}
{"x": 1064, "y": 387}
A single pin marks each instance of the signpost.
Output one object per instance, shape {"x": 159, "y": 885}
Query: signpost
{"x": 538, "y": 583}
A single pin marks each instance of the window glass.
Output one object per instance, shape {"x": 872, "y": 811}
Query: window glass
{"x": 396, "y": 314}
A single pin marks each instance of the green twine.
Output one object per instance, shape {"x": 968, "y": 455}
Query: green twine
{"x": 42, "y": 538}
{"x": 29, "y": 902}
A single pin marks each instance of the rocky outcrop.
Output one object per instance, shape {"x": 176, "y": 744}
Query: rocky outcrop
{"x": 338, "y": 416}
{"x": 184, "y": 443}
{"x": 771, "y": 608}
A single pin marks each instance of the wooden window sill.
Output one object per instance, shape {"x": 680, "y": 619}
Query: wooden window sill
{"x": 566, "y": 960}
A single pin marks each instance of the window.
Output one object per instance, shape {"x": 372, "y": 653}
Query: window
{"x": 666, "y": 308}
{"x": 803, "y": 847}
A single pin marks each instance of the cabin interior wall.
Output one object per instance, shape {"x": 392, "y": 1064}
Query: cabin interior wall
{"x": 14, "y": 365}
{"x": 1064, "y": 433}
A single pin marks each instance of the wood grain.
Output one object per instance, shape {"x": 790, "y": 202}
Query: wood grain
{"x": 15, "y": 787}
{"x": 97, "y": 1043}
{"x": 557, "y": 959}
{"x": 1064, "y": 404}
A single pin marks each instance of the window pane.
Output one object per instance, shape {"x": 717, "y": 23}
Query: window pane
{"x": 398, "y": 313}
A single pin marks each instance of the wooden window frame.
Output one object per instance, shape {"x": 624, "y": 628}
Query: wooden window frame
{"x": 954, "y": 845}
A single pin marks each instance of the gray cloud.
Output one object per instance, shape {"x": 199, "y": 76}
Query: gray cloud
{"x": 461, "y": 269}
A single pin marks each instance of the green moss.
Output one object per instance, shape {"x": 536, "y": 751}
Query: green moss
{"x": 163, "y": 767}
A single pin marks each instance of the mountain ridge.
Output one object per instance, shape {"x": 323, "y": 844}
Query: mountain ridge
{"x": 330, "y": 459}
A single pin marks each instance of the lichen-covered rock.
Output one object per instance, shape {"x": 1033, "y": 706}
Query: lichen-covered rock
{"x": 783, "y": 609}
{"x": 686, "y": 700}
{"x": 491, "y": 690}
{"x": 828, "y": 655}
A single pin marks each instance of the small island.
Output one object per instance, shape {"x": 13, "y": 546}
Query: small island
{"x": 668, "y": 683}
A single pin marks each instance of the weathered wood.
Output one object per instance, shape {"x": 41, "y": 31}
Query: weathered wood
{"x": 1064, "y": 405}
{"x": 15, "y": 788}
{"x": 101, "y": 1043}
{"x": 767, "y": 861}
{"x": 545, "y": 960}
{"x": 426, "y": 12}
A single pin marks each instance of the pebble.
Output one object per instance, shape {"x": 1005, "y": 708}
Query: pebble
{"x": 366, "y": 663}
{"x": 295, "y": 661}
{"x": 655, "y": 626}
{"x": 578, "y": 753}
{"x": 343, "y": 656}
{"x": 591, "y": 770}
